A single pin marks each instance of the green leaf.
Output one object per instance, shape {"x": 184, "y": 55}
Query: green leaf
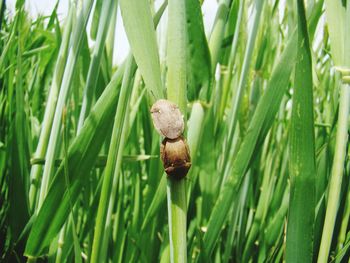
{"x": 81, "y": 157}
{"x": 18, "y": 181}
{"x": 67, "y": 79}
{"x": 112, "y": 170}
{"x": 302, "y": 168}
{"x": 95, "y": 19}
{"x": 157, "y": 202}
{"x": 266, "y": 109}
{"x": 94, "y": 67}
{"x": 140, "y": 30}
{"x": 46, "y": 125}
{"x": 199, "y": 66}
{"x": 335, "y": 14}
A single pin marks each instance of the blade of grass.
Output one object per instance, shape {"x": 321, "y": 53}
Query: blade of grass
{"x": 301, "y": 215}
{"x": 18, "y": 210}
{"x": 139, "y": 28}
{"x": 218, "y": 30}
{"x": 2, "y": 11}
{"x": 50, "y": 109}
{"x": 338, "y": 15}
{"x": 115, "y": 152}
{"x": 81, "y": 156}
{"x": 78, "y": 35}
{"x": 233, "y": 52}
{"x": 238, "y": 92}
{"x": 92, "y": 77}
{"x": 199, "y": 66}
{"x": 8, "y": 45}
{"x": 160, "y": 193}
{"x": 96, "y": 18}
{"x": 344, "y": 223}
{"x": 267, "y": 108}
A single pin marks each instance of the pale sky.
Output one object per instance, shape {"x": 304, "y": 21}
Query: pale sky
{"x": 45, "y": 7}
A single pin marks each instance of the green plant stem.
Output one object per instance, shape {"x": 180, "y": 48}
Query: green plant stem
{"x": 117, "y": 171}
{"x": 344, "y": 223}
{"x": 111, "y": 35}
{"x": 90, "y": 86}
{"x": 231, "y": 61}
{"x": 115, "y": 150}
{"x": 78, "y": 36}
{"x": 176, "y": 80}
{"x": 195, "y": 127}
{"x": 261, "y": 121}
{"x": 176, "y": 56}
{"x": 238, "y": 93}
{"x": 336, "y": 174}
{"x": 50, "y": 109}
{"x": 60, "y": 244}
{"x": 338, "y": 17}
{"x": 217, "y": 33}
{"x": 176, "y": 196}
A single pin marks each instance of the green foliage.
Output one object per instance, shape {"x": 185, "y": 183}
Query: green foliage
{"x": 265, "y": 95}
{"x": 301, "y": 216}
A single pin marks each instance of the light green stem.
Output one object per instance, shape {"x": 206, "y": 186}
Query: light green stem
{"x": 336, "y": 175}
{"x": 338, "y": 15}
{"x": 344, "y": 223}
{"x": 217, "y": 33}
{"x": 176, "y": 80}
{"x": 238, "y": 93}
{"x": 50, "y": 109}
{"x": 92, "y": 77}
{"x": 228, "y": 78}
{"x": 79, "y": 33}
{"x": 113, "y": 160}
{"x": 176, "y": 193}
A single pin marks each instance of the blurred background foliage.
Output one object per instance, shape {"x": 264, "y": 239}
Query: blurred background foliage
{"x": 265, "y": 173}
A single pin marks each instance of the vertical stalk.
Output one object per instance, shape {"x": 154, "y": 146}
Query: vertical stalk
{"x": 176, "y": 80}
{"x": 113, "y": 160}
{"x": 114, "y": 189}
{"x": 176, "y": 199}
{"x": 111, "y": 35}
{"x": 238, "y": 93}
{"x": 78, "y": 36}
{"x": 2, "y": 11}
{"x": 344, "y": 223}
{"x": 62, "y": 235}
{"x": 94, "y": 68}
{"x": 341, "y": 54}
{"x": 233, "y": 51}
{"x": 336, "y": 174}
{"x": 50, "y": 109}
{"x": 217, "y": 33}
{"x": 176, "y": 56}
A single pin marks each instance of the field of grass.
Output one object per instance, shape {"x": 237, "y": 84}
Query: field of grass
{"x": 265, "y": 98}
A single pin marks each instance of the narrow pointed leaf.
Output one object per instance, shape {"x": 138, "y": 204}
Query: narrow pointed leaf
{"x": 302, "y": 153}
{"x": 141, "y": 34}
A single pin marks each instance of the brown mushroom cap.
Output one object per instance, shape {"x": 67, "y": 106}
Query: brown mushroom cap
{"x": 167, "y": 119}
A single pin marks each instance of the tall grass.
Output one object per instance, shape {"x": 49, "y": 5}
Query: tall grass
{"x": 265, "y": 96}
